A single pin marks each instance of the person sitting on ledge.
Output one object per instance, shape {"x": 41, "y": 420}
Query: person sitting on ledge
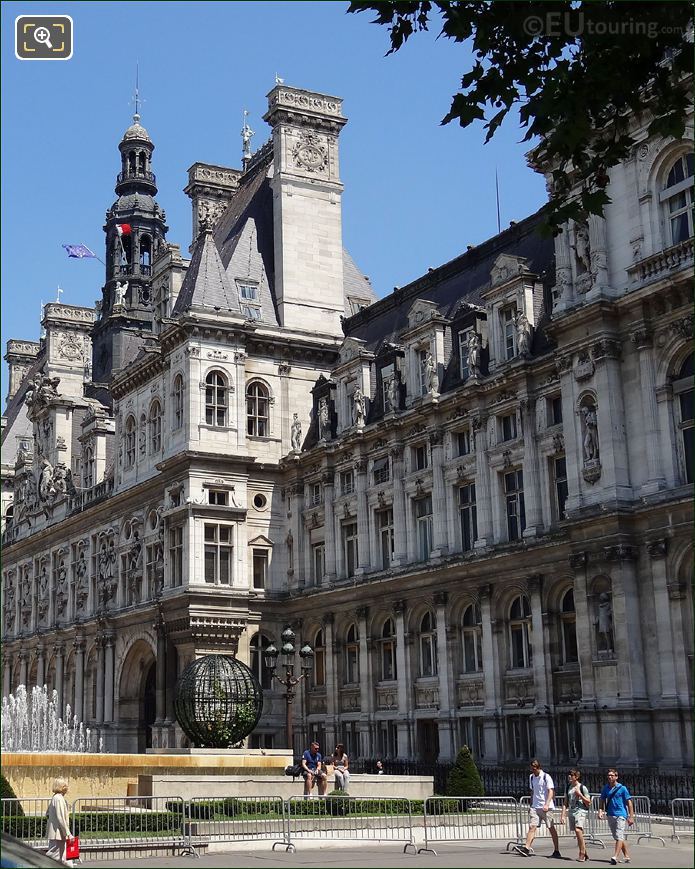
{"x": 312, "y": 770}
{"x": 341, "y": 763}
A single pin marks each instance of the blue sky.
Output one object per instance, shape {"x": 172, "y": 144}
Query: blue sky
{"x": 416, "y": 193}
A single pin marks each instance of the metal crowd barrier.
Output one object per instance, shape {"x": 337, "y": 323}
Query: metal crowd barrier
{"x": 25, "y": 819}
{"x": 562, "y": 830}
{"x": 642, "y": 828}
{"x": 330, "y": 818}
{"x": 235, "y": 819}
{"x": 682, "y": 815}
{"x": 463, "y": 819}
{"x": 128, "y": 822}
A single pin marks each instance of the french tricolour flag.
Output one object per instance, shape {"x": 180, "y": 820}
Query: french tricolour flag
{"x": 123, "y": 229}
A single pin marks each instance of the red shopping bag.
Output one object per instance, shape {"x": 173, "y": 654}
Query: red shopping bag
{"x": 72, "y": 849}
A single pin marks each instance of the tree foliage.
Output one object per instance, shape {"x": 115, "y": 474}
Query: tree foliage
{"x": 464, "y": 779}
{"x": 578, "y": 73}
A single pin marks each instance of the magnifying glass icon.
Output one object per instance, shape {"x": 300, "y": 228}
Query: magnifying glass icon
{"x": 43, "y": 36}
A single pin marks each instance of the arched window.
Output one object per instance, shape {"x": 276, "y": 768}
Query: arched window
{"x": 178, "y": 402}
{"x": 319, "y": 671}
{"x": 216, "y": 399}
{"x": 352, "y": 657}
{"x": 258, "y": 645}
{"x": 568, "y": 618}
{"x": 145, "y": 254}
{"x": 257, "y": 421}
{"x": 129, "y": 446}
{"x": 88, "y": 463}
{"x": 155, "y": 426}
{"x": 131, "y": 162}
{"x": 472, "y": 639}
{"x": 388, "y": 651}
{"x": 520, "y": 633}
{"x": 428, "y": 645}
{"x": 683, "y": 393}
{"x": 677, "y": 199}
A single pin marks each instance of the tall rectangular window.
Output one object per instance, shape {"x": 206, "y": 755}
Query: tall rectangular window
{"x": 509, "y": 430}
{"x": 384, "y": 521}
{"x": 381, "y": 471}
{"x": 421, "y": 459}
{"x": 514, "y": 497}
{"x": 422, "y": 371}
{"x": 347, "y": 482}
{"x": 463, "y": 354}
{"x": 350, "y": 550}
{"x": 260, "y": 568}
{"x": 555, "y": 410}
{"x": 464, "y": 442}
{"x": 469, "y": 516}
{"x": 318, "y": 563}
{"x": 423, "y": 519}
{"x": 509, "y": 331}
{"x": 218, "y": 554}
{"x": 176, "y": 555}
{"x": 560, "y": 477}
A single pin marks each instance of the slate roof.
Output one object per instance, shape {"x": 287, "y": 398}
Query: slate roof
{"x": 463, "y": 278}
{"x": 206, "y": 284}
{"x": 15, "y": 425}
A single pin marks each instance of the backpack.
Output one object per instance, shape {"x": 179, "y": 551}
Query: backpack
{"x": 295, "y": 770}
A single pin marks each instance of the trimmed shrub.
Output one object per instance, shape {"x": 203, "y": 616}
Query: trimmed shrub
{"x": 7, "y": 793}
{"x": 464, "y": 779}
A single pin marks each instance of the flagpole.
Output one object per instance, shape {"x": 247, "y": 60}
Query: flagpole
{"x": 95, "y": 256}
{"x": 497, "y": 193}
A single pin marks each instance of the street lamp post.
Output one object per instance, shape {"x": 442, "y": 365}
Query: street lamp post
{"x": 290, "y": 681}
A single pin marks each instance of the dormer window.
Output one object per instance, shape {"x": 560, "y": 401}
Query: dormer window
{"x": 249, "y": 299}
{"x": 463, "y": 354}
{"x": 248, "y": 292}
{"x": 251, "y": 312}
{"x": 509, "y": 331}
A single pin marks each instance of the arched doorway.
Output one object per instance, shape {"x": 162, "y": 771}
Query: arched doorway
{"x": 136, "y": 699}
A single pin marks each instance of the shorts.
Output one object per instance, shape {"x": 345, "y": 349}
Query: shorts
{"x": 617, "y": 824}
{"x": 537, "y": 816}
{"x": 316, "y": 775}
{"x": 578, "y": 819}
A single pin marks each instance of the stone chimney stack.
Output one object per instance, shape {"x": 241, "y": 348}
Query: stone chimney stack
{"x": 19, "y": 357}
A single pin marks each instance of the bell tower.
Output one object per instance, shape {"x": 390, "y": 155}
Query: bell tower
{"x": 135, "y": 227}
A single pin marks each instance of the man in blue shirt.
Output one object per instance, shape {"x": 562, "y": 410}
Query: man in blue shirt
{"x": 312, "y": 770}
{"x": 616, "y": 806}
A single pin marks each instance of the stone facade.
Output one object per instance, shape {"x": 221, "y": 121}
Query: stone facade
{"x": 473, "y": 500}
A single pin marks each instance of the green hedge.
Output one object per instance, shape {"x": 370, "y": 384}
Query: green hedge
{"x": 33, "y": 827}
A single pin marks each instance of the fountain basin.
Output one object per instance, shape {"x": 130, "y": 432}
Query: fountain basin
{"x": 31, "y": 774}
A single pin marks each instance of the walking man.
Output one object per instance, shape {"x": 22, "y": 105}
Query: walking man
{"x": 541, "y": 811}
{"x": 312, "y": 770}
{"x": 616, "y": 806}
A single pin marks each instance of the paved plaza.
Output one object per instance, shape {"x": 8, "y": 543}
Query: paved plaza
{"x": 491, "y": 855}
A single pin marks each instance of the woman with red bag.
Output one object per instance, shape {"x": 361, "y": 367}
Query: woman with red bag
{"x": 58, "y": 830}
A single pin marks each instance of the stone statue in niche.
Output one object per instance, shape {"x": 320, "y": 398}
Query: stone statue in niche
{"x": 590, "y": 442}
{"x": 324, "y": 420}
{"x": 391, "y": 394}
{"x": 81, "y": 587}
{"x": 119, "y": 293}
{"x": 61, "y": 589}
{"x": 358, "y": 408}
{"x": 142, "y": 438}
{"x": 523, "y": 334}
{"x": 474, "y": 355}
{"x": 42, "y": 591}
{"x": 604, "y": 622}
{"x": 431, "y": 379}
{"x": 134, "y": 567}
{"x": 582, "y": 248}
{"x": 25, "y": 601}
{"x": 9, "y": 601}
{"x": 296, "y": 433}
{"x": 47, "y": 490}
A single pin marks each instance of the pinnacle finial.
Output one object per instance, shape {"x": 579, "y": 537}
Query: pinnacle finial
{"x": 246, "y": 134}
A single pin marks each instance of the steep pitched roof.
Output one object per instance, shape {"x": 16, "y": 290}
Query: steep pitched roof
{"x": 206, "y": 284}
{"x": 463, "y": 278}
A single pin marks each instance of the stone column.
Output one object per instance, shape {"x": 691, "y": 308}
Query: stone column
{"x": 540, "y": 660}
{"x": 366, "y": 684}
{"x": 284, "y": 410}
{"x": 108, "y": 680}
{"x": 615, "y": 474}
{"x": 483, "y": 495}
{"x": 60, "y": 675}
{"x": 331, "y": 682}
{"x": 532, "y": 495}
{"x": 662, "y": 610}
{"x": 572, "y": 433}
{"x": 41, "y": 666}
{"x": 440, "y": 538}
{"x": 240, "y": 404}
{"x": 403, "y": 681}
{"x": 635, "y": 733}
{"x": 295, "y": 568}
{"x": 170, "y": 693}
{"x": 363, "y": 553}
{"x": 100, "y": 680}
{"x": 24, "y": 668}
{"x": 329, "y": 526}
{"x": 399, "y": 531}
{"x": 650, "y": 435}
{"x": 161, "y": 669}
{"x": 584, "y": 620}
{"x": 491, "y": 675}
{"x": 446, "y": 748}
{"x": 7, "y": 675}
{"x": 79, "y": 678}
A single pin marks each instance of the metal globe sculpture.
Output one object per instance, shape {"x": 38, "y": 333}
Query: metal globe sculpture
{"x": 218, "y": 701}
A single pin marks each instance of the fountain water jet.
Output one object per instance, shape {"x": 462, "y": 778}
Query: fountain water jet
{"x": 31, "y": 722}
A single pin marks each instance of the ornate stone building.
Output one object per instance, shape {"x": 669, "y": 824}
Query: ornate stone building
{"x": 471, "y": 497}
